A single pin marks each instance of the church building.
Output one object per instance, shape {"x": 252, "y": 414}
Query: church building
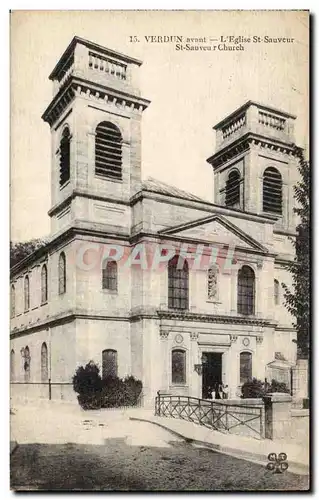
{"x": 141, "y": 277}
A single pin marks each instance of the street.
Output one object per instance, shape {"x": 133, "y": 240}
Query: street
{"x": 110, "y": 452}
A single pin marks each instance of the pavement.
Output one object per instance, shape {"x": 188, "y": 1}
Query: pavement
{"x": 246, "y": 448}
{"x": 60, "y": 423}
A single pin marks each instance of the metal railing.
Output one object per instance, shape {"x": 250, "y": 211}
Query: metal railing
{"x": 224, "y": 416}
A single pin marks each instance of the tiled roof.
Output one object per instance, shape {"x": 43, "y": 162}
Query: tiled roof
{"x": 157, "y": 186}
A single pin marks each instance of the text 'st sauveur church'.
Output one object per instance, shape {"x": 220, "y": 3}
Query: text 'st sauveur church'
{"x": 141, "y": 277}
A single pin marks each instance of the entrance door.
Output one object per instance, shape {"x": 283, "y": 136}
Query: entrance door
{"x": 212, "y": 371}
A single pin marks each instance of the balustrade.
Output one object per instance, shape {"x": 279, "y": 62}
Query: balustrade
{"x": 271, "y": 120}
{"x": 105, "y": 65}
{"x": 235, "y": 125}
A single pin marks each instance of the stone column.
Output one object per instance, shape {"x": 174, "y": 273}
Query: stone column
{"x": 278, "y": 416}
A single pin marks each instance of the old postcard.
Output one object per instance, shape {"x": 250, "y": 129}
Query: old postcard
{"x": 159, "y": 287}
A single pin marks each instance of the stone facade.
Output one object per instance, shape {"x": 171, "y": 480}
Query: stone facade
{"x": 89, "y": 213}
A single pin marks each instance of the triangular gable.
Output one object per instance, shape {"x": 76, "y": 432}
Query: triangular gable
{"x": 214, "y": 229}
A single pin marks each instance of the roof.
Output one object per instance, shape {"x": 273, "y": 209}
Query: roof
{"x": 156, "y": 186}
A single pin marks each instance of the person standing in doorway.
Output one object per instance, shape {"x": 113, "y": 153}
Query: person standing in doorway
{"x": 225, "y": 391}
{"x": 220, "y": 390}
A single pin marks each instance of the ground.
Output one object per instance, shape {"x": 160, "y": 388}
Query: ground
{"x": 107, "y": 451}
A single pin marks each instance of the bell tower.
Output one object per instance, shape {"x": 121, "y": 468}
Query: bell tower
{"x": 255, "y": 163}
{"x": 95, "y": 120}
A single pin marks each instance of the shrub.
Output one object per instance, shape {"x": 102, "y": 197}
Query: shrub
{"x": 87, "y": 383}
{"x": 257, "y": 389}
{"x": 253, "y": 389}
{"x": 118, "y": 392}
{"x": 109, "y": 392}
{"x": 276, "y": 386}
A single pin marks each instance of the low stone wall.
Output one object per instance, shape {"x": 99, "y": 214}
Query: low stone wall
{"x": 300, "y": 425}
{"x": 24, "y": 392}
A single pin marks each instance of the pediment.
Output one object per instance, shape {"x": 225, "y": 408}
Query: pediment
{"x": 215, "y": 229}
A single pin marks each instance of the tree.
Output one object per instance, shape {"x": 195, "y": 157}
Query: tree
{"x": 297, "y": 299}
{"x": 21, "y": 250}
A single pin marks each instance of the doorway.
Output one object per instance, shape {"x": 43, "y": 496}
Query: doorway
{"x": 212, "y": 371}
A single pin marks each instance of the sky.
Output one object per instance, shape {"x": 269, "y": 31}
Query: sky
{"x": 189, "y": 91}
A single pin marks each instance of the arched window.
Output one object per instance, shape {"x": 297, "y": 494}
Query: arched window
{"x": 44, "y": 363}
{"x": 272, "y": 191}
{"x": 65, "y": 156}
{"x": 109, "y": 363}
{"x": 212, "y": 283}
{"x": 26, "y": 294}
{"x": 108, "y": 151}
{"x": 44, "y": 284}
{"x": 246, "y": 291}
{"x": 178, "y": 283}
{"x": 13, "y": 302}
{"x": 178, "y": 366}
{"x": 276, "y": 292}
{"x": 27, "y": 364}
{"x": 62, "y": 273}
{"x": 12, "y": 365}
{"x": 245, "y": 367}
{"x": 233, "y": 189}
{"x": 109, "y": 276}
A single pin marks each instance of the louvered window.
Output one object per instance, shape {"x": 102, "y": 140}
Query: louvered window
{"x": 233, "y": 189}
{"x": 108, "y": 151}
{"x": 272, "y": 191}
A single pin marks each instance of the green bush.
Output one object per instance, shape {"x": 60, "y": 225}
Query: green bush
{"x": 109, "y": 392}
{"x": 255, "y": 388}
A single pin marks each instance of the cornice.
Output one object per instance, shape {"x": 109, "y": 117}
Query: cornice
{"x": 213, "y": 318}
{"x": 245, "y": 142}
{"x": 90, "y": 45}
{"x": 84, "y": 194}
{"x": 80, "y": 87}
{"x": 59, "y": 319}
{"x": 247, "y": 104}
{"x": 72, "y": 315}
